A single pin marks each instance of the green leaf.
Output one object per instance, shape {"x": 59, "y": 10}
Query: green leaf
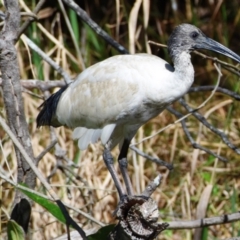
{"x": 14, "y": 231}
{"x": 75, "y": 24}
{"x": 168, "y": 234}
{"x": 47, "y": 204}
{"x": 102, "y": 233}
{"x": 205, "y": 234}
{"x": 206, "y": 176}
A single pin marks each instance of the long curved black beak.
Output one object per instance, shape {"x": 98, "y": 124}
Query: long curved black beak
{"x": 212, "y": 45}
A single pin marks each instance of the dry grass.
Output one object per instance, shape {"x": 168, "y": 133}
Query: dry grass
{"x": 90, "y": 188}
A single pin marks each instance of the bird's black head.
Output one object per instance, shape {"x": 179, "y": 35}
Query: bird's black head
{"x": 186, "y": 37}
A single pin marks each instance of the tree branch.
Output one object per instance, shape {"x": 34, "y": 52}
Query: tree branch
{"x": 83, "y": 15}
{"x": 138, "y": 216}
{"x": 12, "y": 93}
{"x": 205, "y": 222}
{"x": 203, "y": 120}
{"x": 30, "y": 19}
{"x": 190, "y": 138}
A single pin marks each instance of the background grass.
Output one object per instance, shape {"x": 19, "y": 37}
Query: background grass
{"x": 89, "y": 187}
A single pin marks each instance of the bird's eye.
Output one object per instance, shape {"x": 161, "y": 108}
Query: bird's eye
{"x": 194, "y": 35}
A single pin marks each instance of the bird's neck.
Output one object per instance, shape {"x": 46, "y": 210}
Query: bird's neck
{"x": 174, "y": 83}
{"x": 184, "y": 68}
{"x": 179, "y": 82}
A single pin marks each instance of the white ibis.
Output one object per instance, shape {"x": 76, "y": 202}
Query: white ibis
{"x": 112, "y": 99}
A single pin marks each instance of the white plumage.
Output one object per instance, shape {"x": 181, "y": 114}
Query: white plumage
{"x": 113, "y": 98}
{"x": 115, "y": 94}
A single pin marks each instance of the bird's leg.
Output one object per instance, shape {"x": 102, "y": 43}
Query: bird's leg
{"x": 122, "y": 159}
{"x": 108, "y": 159}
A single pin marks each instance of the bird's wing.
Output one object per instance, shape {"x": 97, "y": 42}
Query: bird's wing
{"x": 107, "y": 90}
{"x": 107, "y": 94}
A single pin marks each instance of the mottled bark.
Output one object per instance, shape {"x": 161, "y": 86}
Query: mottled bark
{"x": 12, "y": 93}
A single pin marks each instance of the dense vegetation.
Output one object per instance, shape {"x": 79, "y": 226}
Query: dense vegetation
{"x": 88, "y": 186}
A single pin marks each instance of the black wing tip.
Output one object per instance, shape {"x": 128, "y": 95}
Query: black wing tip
{"x": 44, "y": 117}
{"x": 48, "y": 109}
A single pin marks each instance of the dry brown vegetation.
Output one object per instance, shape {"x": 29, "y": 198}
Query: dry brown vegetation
{"x": 89, "y": 187}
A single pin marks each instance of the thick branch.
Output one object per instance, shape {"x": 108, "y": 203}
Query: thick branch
{"x": 12, "y": 94}
{"x": 138, "y": 216}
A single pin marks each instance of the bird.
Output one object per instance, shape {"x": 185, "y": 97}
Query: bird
{"x": 112, "y": 99}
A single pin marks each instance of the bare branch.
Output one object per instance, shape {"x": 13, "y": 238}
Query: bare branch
{"x": 158, "y": 161}
{"x": 69, "y": 220}
{"x": 138, "y": 216}
{"x": 190, "y": 138}
{"x": 83, "y": 15}
{"x": 205, "y": 222}
{"x": 219, "y": 89}
{"x": 203, "y": 120}
{"x": 12, "y": 93}
{"x": 44, "y": 56}
{"x": 45, "y": 151}
{"x": 230, "y": 67}
{"x": 27, "y": 158}
{"x": 31, "y": 19}
{"x": 41, "y": 85}
{"x": 152, "y": 186}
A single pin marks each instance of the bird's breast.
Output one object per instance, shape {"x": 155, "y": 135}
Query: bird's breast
{"x": 129, "y": 88}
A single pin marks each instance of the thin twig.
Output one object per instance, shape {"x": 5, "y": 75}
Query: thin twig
{"x": 224, "y": 64}
{"x": 40, "y": 177}
{"x": 31, "y": 19}
{"x": 160, "y": 162}
{"x": 3, "y": 176}
{"x": 45, "y": 151}
{"x": 203, "y": 120}
{"x": 44, "y": 56}
{"x": 28, "y": 159}
{"x": 75, "y": 43}
{"x": 83, "y": 15}
{"x": 225, "y": 91}
{"x": 230, "y": 67}
{"x": 152, "y": 186}
{"x": 190, "y": 138}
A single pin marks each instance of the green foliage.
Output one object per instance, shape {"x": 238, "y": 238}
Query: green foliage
{"x": 14, "y": 231}
{"x": 206, "y": 176}
{"x": 205, "y": 235}
{"x": 95, "y": 45}
{"x": 47, "y": 204}
{"x": 220, "y": 22}
{"x": 36, "y": 59}
{"x": 75, "y": 24}
{"x": 168, "y": 234}
{"x": 215, "y": 191}
{"x": 102, "y": 233}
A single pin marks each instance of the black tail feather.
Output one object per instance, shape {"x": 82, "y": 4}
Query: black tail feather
{"x": 48, "y": 109}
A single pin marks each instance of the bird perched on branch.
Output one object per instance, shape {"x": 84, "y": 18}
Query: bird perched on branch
{"x": 112, "y": 99}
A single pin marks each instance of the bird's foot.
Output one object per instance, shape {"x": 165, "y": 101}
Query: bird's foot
{"x": 125, "y": 198}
